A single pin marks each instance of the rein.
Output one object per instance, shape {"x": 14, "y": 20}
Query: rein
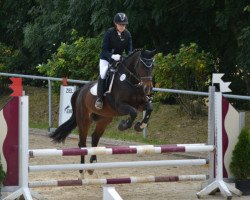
{"x": 130, "y": 73}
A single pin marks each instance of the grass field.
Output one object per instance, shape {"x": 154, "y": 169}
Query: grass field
{"x": 168, "y": 124}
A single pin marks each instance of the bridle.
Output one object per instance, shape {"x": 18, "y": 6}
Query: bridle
{"x": 148, "y": 63}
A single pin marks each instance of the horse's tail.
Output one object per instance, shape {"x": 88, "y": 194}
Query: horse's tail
{"x": 60, "y": 134}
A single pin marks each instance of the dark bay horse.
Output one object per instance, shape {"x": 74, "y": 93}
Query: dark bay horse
{"x": 132, "y": 85}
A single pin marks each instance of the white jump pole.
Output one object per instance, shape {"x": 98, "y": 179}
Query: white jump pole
{"x": 156, "y": 163}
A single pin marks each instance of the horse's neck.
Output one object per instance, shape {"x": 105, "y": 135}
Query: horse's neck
{"x": 132, "y": 61}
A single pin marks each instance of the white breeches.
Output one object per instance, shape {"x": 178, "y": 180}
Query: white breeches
{"x": 103, "y": 67}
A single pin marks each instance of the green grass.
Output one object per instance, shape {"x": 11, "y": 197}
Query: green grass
{"x": 42, "y": 126}
{"x": 167, "y": 125}
{"x": 131, "y": 137}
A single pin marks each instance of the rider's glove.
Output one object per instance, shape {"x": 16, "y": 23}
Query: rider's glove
{"x": 116, "y": 57}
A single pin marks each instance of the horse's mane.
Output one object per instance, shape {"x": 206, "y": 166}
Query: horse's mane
{"x": 133, "y": 52}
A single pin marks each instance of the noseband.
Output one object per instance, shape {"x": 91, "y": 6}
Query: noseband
{"x": 147, "y": 63}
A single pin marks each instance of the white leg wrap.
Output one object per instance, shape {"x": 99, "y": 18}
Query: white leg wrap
{"x": 103, "y": 66}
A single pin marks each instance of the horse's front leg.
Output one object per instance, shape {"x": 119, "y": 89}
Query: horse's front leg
{"x": 101, "y": 125}
{"x": 126, "y": 109}
{"x": 82, "y": 144}
{"x": 83, "y": 132}
{"x": 139, "y": 126}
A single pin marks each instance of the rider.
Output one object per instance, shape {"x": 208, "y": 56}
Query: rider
{"x": 116, "y": 40}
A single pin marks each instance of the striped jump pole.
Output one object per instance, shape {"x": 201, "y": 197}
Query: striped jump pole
{"x": 156, "y": 163}
{"x": 145, "y": 149}
{"x": 109, "y": 181}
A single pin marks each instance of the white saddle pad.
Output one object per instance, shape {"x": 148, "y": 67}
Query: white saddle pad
{"x": 93, "y": 89}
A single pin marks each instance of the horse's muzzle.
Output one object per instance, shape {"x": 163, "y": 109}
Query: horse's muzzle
{"x": 147, "y": 90}
{"x": 147, "y": 87}
{"x": 147, "y": 84}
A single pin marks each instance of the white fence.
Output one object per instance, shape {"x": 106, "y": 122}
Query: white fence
{"x": 50, "y": 79}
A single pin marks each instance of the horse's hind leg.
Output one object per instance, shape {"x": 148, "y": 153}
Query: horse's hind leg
{"x": 101, "y": 125}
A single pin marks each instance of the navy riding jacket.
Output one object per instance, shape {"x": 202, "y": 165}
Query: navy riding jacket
{"x": 115, "y": 44}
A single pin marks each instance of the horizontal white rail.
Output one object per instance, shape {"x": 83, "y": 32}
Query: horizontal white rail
{"x": 63, "y": 167}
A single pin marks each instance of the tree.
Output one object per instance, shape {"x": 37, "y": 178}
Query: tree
{"x": 76, "y": 60}
{"x": 49, "y": 28}
{"x": 36, "y": 28}
{"x": 189, "y": 69}
{"x": 243, "y": 56}
{"x": 14, "y": 16}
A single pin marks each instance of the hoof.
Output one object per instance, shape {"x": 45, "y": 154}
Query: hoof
{"x": 123, "y": 125}
{"x": 140, "y": 126}
{"x": 82, "y": 174}
{"x": 90, "y": 171}
{"x": 92, "y": 174}
{"x": 92, "y": 160}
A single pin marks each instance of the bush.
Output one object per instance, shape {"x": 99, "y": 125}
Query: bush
{"x": 189, "y": 69}
{"x": 76, "y": 60}
{"x": 2, "y": 173}
{"x": 240, "y": 164}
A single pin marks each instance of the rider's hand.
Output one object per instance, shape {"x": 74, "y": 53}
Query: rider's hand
{"x": 116, "y": 57}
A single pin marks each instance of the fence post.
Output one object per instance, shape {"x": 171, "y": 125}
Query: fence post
{"x": 145, "y": 130}
{"x": 50, "y": 104}
{"x": 211, "y": 131}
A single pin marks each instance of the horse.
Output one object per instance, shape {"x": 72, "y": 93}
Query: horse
{"x": 131, "y": 89}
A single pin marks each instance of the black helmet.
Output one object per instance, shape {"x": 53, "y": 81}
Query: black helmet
{"x": 121, "y": 18}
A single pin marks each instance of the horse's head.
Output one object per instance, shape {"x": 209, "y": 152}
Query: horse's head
{"x": 143, "y": 70}
{"x": 139, "y": 65}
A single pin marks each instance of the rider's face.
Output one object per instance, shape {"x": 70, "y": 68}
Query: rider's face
{"x": 120, "y": 27}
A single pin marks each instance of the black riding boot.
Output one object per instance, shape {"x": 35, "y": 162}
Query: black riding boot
{"x": 100, "y": 92}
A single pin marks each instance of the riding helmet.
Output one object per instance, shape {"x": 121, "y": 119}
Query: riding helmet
{"x": 121, "y": 18}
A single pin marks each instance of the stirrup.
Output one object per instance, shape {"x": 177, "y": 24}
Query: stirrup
{"x": 98, "y": 104}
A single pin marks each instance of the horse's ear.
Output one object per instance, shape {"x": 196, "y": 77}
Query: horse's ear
{"x": 148, "y": 54}
{"x": 153, "y": 52}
